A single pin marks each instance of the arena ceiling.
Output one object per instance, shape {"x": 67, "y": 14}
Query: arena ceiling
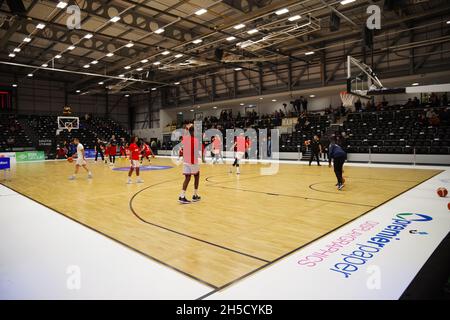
{"x": 149, "y": 44}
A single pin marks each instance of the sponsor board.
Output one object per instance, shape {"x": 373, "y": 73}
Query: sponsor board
{"x": 30, "y": 156}
{"x": 5, "y": 163}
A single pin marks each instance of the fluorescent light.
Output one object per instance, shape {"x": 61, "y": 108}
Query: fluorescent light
{"x": 61, "y": 5}
{"x": 115, "y": 19}
{"x": 176, "y": 83}
{"x": 237, "y": 69}
{"x": 252, "y": 31}
{"x": 127, "y": 67}
{"x": 261, "y": 98}
{"x": 144, "y": 61}
{"x": 231, "y": 38}
{"x": 294, "y": 18}
{"x": 241, "y": 104}
{"x": 214, "y": 107}
{"x": 159, "y": 31}
{"x": 14, "y": 85}
{"x": 30, "y": 75}
{"x": 129, "y": 45}
{"x": 192, "y": 110}
{"x": 282, "y": 11}
{"x": 27, "y": 39}
{"x": 312, "y": 95}
{"x": 71, "y": 48}
{"x": 94, "y": 62}
{"x": 127, "y": 95}
{"x": 274, "y": 100}
{"x": 156, "y": 63}
{"x": 17, "y": 49}
{"x": 200, "y": 12}
{"x": 58, "y": 56}
{"x": 153, "y": 89}
{"x": 110, "y": 54}
{"x": 309, "y": 53}
{"x": 415, "y": 84}
{"x": 101, "y": 82}
{"x": 139, "y": 69}
{"x": 448, "y": 22}
{"x": 78, "y": 91}
{"x": 12, "y": 55}
{"x": 40, "y": 26}
{"x": 344, "y": 2}
{"x": 197, "y": 41}
{"x": 239, "y": 26}
{"x": 44, "y": 65}
{"x": 88, "y": 36}
{"x": 86, "y": 66}
{"x": 165, "y": 53}
{"x": 178, "y": 55}
{"x": 121, "y": 75}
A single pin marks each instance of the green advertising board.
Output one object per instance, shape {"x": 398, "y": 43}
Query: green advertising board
{"x": 30, "y": 156}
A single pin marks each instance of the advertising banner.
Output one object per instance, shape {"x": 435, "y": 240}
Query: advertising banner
{"x": 30, "y": 156}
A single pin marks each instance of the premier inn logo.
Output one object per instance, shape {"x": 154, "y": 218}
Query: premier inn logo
{"x": 413, "y": 217}
{"x": 366, "y": 251}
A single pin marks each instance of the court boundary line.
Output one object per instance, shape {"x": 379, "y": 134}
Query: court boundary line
{"x": 181, "y": 233}
{"x": 310, "y": 242}
{"x": 115, "y": 240}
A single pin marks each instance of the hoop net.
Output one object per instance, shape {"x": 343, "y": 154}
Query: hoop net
{"x": 68, "y": 126}
{"x": 348, "y": 99}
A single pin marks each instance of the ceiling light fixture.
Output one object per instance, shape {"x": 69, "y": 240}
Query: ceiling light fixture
{"x": 252, "y": 31}
{"x": 159, "y": 31}
{"x": 12, "y": 55}
{"x": 197, "y": 41}
{"x": 139, "y": 69}
{"x": 231, "y": 38}
{"x": 30, "y": 75}
{"x": 58, "y": 56}
{"x": 86, "y": 66}
{"x": 40, "y": 26}
{"x": 144, "y": 61}
{"x": 200, "y": 12}
{"x": 294, "y": 18}
{"x": 176, "y": 83}
{"x": 115, "y": 19}
{"x": 281, "y": 11}
{"x": 27, "y": 39}
{"x": 178, "y": 55}
{"x": 156, "y": 63}
{"x": 71, "y": 48}
{"x": 88, "y": 36}
{"x": 309, "y": 53}
{"x": 101, "y": 82}
{"x": 17, "y": 49}
{"x": 94, "y": 62}
{"x": 44, "y": 65}
{"x": 61, "y": 5}
{"x": 129, "y": 45}
{"x": 110, "y": 54}
{"x": 344, "y": 2}
{"x": 165, "y": 53}
{"x": 127, "y": 67}
{"x": 239, "y": 26}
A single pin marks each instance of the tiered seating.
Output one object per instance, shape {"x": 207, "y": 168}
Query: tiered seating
{"x": 12, "y": 134}
{"x": 398, "y": 131}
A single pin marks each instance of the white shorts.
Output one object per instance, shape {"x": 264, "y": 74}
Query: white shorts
{"x": 80, "y": 162}
{"x": 135, "y": 164}
{"x": 239, "y": 155}
{"x": 190, "y": 169}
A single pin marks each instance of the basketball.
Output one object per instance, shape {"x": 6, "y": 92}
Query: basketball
{"x": 448, "y": 206}
{"x": 70, "y": 159}
{"x": 442, "y": 192}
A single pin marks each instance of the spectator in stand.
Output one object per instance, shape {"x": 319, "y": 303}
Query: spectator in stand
{"x": 444, "y": 100}
{"x": 358, "y": 105}
{"x": 416, "y": 103}
{"x": 384, "y": 102}
{"x": 304, "y": 104}
{"x": 409, "y": 103}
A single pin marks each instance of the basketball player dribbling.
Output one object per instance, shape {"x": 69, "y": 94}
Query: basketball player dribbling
{"x": 191, "y": 152}
{"x": 135, "y": 152}
{"x": 81, "y": 160}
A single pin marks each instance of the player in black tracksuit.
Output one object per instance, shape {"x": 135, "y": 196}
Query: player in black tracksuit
{"x": 315, "y": 149}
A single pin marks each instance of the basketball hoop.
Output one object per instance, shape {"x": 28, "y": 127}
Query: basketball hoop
{"x": 347, "y": 99}
{"x": 68, "y": 126}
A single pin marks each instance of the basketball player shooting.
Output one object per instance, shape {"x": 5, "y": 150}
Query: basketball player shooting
{"x": 81, "y": 160}
{"x": 191, "y": 152}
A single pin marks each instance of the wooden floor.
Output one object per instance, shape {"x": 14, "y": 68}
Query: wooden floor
{"x": 242, "y": 223}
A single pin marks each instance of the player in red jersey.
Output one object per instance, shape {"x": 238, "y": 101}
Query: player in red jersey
{"x": 217, "y": 149}
{"x": 239, "y": 151}
{"x": 135, "y": 152}
{"x": 146, "y": 152}
{"x": 191, "y": 152}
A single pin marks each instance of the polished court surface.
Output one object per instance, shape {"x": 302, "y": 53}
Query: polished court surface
{"x": 242, "y": 223}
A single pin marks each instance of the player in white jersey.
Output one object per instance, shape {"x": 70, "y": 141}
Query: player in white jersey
{"x": 81, "y": 160}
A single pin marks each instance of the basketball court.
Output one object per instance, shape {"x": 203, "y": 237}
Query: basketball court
{"x": 110, "y": 112}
